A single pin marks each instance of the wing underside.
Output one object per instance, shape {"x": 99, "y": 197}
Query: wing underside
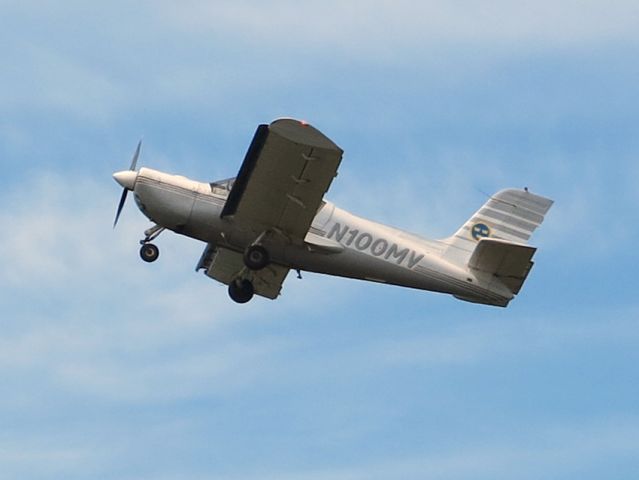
{"x": 287, "y": 170}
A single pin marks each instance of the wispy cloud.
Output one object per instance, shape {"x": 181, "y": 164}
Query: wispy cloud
{"x": 566, "y": 451}
{"x": 158, "y": 54}
{"x": 113, "y": 368}
{"x": 361, "y": 27}
{"x": 118, "y": 328}
{"x": 473, "y": 343}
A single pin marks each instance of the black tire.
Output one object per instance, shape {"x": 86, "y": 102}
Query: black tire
{"x": 241, "y": 291}
{"x": 256, "y": 257}
{"x": 149, "y": 252}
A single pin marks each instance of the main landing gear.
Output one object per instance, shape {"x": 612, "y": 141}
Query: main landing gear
{"x": 256, "y": 257}
{"x": 148, "y": 251}
{"x": 241, "y": 290}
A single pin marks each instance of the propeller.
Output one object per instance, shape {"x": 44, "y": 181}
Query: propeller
{"x": 126, "y": 178}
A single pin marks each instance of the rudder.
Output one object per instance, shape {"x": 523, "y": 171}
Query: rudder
{"x": 511, "y": 215}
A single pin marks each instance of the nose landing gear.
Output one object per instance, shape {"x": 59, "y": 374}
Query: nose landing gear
{"x": 148, "y": 251}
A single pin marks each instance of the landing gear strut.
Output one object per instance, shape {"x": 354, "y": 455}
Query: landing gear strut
{"x": 148, "y": 251}
{"x": 241, "y": 290}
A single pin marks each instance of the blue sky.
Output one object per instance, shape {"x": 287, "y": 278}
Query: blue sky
{"x": 114, "y": 369}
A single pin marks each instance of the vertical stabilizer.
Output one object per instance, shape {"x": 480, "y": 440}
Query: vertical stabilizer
{"x": 510, "y": 215}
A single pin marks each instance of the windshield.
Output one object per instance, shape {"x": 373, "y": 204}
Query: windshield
{"x": 222, "y": 187}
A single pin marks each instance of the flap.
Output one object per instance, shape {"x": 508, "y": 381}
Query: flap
{"x": 318, "y": 242}
{"x": 285, "y": 174}
{"x": 225, "y": 265}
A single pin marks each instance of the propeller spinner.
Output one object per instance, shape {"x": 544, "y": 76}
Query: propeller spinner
{"x": 126, "y": 178}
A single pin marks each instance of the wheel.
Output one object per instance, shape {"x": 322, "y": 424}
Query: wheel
{"x": 256, "y": 257}
{"x": 149, "y": 252}
{"x": 241, "y": 291}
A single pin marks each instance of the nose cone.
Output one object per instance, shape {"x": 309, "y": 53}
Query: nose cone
{"x": 126, "y": 178}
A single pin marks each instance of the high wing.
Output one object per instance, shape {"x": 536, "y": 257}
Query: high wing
{"x": 285, "y": 174}
{"x": 279, "y": 188}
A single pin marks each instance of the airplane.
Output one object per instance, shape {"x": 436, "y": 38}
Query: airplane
{"x": 272, "y": 217}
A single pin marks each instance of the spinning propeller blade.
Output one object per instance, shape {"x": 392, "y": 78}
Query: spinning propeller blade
{"x": 124, "y": 179}
{"x": 134, "y": 161}
{"x": 120, "y": 206}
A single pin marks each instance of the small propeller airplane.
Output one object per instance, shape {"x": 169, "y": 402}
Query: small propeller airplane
{"x": 272, "y": 217}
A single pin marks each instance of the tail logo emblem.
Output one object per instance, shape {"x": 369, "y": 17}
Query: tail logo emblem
{"x": 480, "y": 230}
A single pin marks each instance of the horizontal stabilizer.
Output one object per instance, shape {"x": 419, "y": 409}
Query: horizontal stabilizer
{"x": 509, "y": 262}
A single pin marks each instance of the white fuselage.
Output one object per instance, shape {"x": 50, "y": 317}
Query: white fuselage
{"x": 339, "y": 243}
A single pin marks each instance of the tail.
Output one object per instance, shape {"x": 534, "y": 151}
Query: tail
{"x": 492, "y": 244}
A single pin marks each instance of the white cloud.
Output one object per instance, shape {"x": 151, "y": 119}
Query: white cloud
{"x": 44, "y": 460}
{"x": 85, "y": 323}
{"x": 159, "y": 54}
{"x": 45, "y": 77}
{"x": 382, "y": 28}
{"x": 566, "y": 451}
{"x": 429, "y": 196}
{"x": 59, "y": 232}
{"x": 485, "y": 341}
{"x": 118, "y": 328}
